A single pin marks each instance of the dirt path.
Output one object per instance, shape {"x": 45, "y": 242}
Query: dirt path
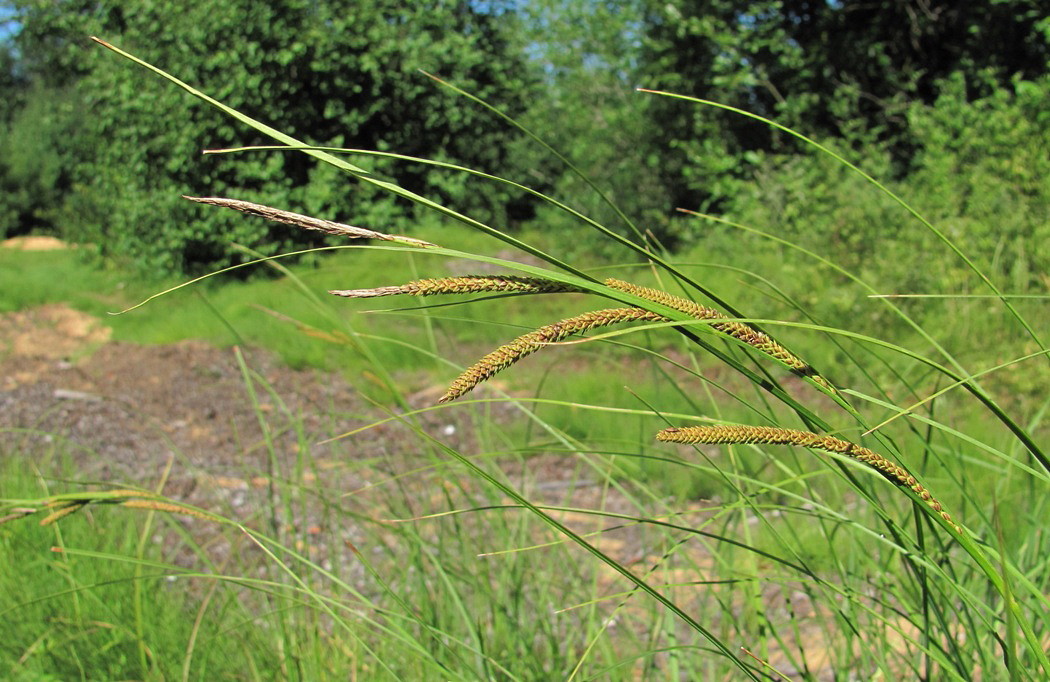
{"x": 121, "y": 412}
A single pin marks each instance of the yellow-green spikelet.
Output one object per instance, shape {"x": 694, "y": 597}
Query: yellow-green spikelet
{"x": 507, "y": 354}
{"x": 772, "y": 435}
{"x": 467, "y": 284}
{"x": 738, "y": 330}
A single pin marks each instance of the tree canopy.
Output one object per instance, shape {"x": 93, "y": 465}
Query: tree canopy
{"x": 333, "y": 73}
{"x": 847, "y": 70}
{"x": 100, "y": 151}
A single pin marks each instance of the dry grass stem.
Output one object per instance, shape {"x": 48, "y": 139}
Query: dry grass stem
{"x": 772, "y": 435}
{"x": 469, "y": 284}
{"x": 307, "y": 222}
{"x": 738, "y": 330}
{"x": 524, "y": 345}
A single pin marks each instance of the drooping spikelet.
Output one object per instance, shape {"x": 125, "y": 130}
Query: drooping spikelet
{"x": 469, "y": 284}
{"x": 777, "y": 436}
{"x": 61, "y": 506}
{"x": 169, "y": 507}
{"x": 738, "y": 330}
{"x": 524, "y": 345}
{"x": 61, "y": 512}
{"x": 307, "y": 222}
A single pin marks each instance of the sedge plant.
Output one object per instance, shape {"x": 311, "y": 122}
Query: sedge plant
{"x": 873, "y": 559}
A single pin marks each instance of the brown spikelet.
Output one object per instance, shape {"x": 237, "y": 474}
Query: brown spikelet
{"x": 777, "y": 436}
{"x": 738, "y": 330}
{"x": 61, "y": 512}
{"x": 119, "y": 493}
{"x": 306, "y": 222}
{"x": 469, "y": 284}
{"x": 17, "y": 513}
{"x": 525, "y": 345}
{"x": 159, "y": 505}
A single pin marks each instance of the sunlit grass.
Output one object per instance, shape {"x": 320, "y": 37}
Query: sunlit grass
{"x": 541, "y": 531}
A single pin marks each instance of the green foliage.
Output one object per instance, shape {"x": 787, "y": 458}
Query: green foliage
{"x": 848, "y": 70}
{"x": 586, "y": 56}
{"x": 984, "y": 174}
{"x": 76, "y": 616}
{"x": 100, "y": 152}
{"x": 709, "y": 50}
{"x": 37, "y": 160}
{"x": 980, "y": 175}
{"x": 10, "y": 82}
{"x": 335, "y": 73}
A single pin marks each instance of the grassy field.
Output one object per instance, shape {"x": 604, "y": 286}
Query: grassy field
{"x": 561, "y": 539}
{"x": 812, "y": 568}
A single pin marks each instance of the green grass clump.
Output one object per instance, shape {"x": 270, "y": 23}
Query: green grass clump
{"x": 79, "y": 591}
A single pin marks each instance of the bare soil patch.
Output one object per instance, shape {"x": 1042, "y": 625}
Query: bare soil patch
{"x": 122, "y": 412}
{"x": 34, "y": 244}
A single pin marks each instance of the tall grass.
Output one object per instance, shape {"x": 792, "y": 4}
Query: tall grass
{"x": 505, "y": 536}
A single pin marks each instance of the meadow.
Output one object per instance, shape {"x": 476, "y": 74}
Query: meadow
{"x": 550, "y": 534}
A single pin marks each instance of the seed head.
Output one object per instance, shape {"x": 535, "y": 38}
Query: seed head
{"x": 738, "y": 330}
{"x": 527, "y": 344}
{"x": 469, "y": 284}
{"x": 777, "y": 436}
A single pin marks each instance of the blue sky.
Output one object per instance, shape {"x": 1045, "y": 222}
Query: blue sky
{"x": 8, "y": 26}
